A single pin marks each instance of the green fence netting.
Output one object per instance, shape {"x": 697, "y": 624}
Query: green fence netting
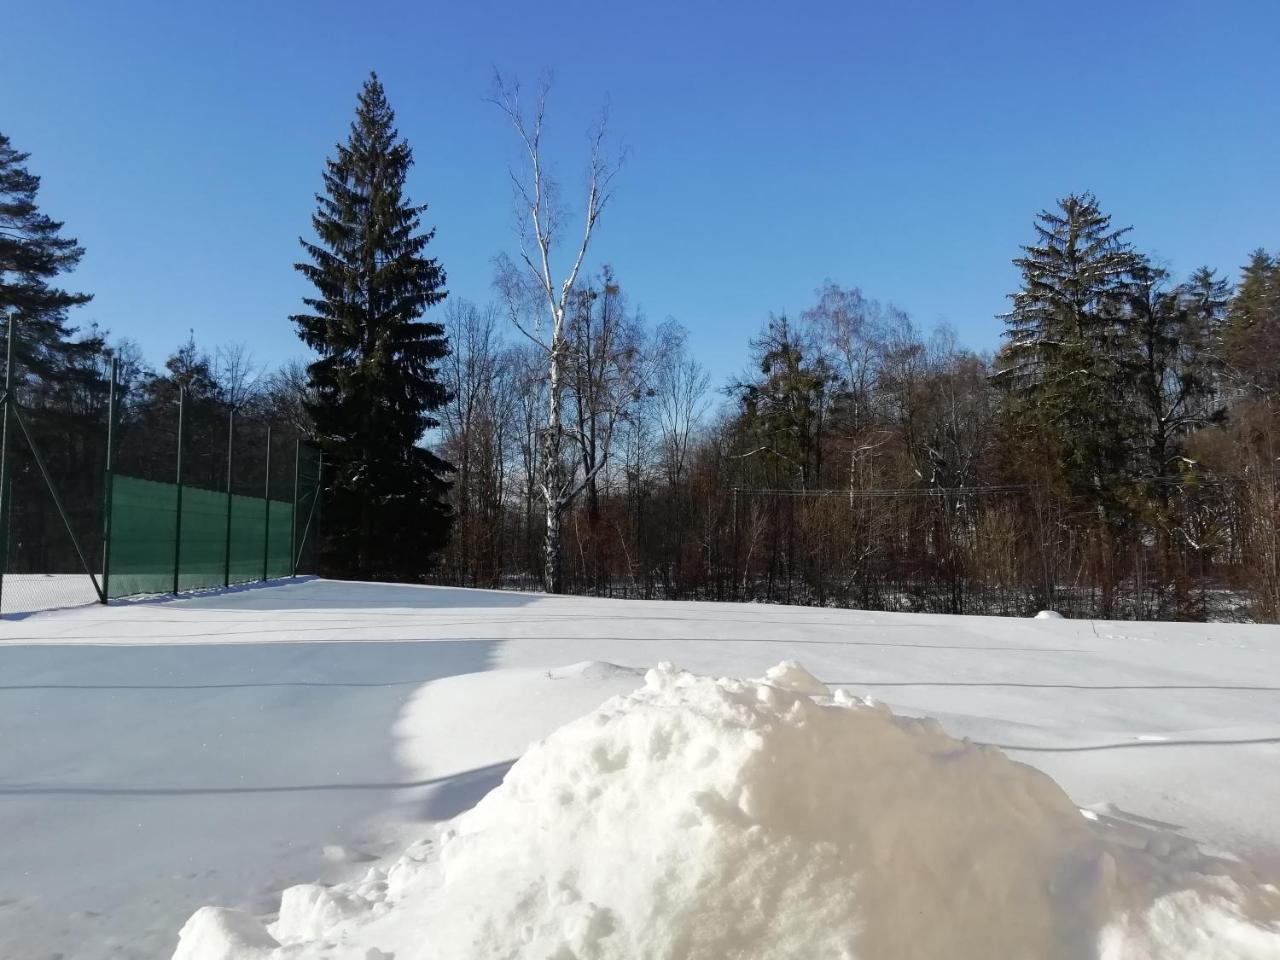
{"x": 224, "y": 540}
{"x": 144, "y": 517}
{"x": 278, "y": 539}
{"x": 202, "y": 562}
{"x": 121, "y": 494}
{"x": 248, "y": 538}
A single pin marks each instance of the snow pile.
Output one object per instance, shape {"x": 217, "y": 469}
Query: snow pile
{"x": 711, "y": 819}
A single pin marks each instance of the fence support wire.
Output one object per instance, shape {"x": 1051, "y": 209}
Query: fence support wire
{"x": 311, "y": 513}
{"x": 109, "y": 484}
{"x": 266, "y": 513}
{"x": 6, "y": 492}
{"x": 177, "y": 520}
{"x": 231, "y": 442}
{"x": 293, "y": 531}
{"x": 11, "y": 410}
{"x": 57, "y": 502}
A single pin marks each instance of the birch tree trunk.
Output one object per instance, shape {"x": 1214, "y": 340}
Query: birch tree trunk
{"x": 552, "y": 481}
{"x": 533, "y": 283}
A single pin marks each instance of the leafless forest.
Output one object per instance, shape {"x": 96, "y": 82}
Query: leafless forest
{"x": 857, "y": 462}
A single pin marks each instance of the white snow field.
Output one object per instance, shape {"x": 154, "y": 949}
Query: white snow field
{"x": 160, "y": 760}
{"x": 27, "y": 593}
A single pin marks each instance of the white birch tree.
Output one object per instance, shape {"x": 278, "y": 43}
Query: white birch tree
{"x": 539, "y": 298}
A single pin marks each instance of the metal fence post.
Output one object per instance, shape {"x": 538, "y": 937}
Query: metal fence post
{"x": 6, "y": 489}
{"x": 293, "y": 533}
{"x": 109, "y": 481}
{"x": 6, "y": 496}
{"x": 733, "y": 574}
{"x": 319, "y": 508}
{"x": 266, "y": 511}
{"x": 226, "y": 556}
{"x": 177, "y": 521}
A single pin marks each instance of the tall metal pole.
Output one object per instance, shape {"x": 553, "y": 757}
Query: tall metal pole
{"x": 319, "y": 508}
{"x": 266, "y": 511}
{"x": 293, "y": 533}
{"x": 231, "y": 442}
{"x": 6, "y": 491}
{"x": 733, "y": 580}
{"x": 109, "y": 481}
{"x": 177, "y": 524}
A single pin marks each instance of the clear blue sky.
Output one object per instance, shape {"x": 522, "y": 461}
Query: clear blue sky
{"x": 900, "y": 147}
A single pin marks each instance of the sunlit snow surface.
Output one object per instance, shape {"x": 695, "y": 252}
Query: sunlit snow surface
{"x": 158, "y": 757}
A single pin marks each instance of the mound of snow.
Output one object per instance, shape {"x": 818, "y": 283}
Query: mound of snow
{"x": 1048, "y": 615}
{"x": 441, "y": 733}
{"x": 216, "y": 934}
{"x": 753, "y": 819}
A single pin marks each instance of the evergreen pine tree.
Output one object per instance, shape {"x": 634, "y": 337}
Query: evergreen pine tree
{"x": 60, "y": 373}
{"x": 785, "y": 408}
{"x": 1068, "y": 361}
{"x": 56, "y": 368}
{"x": 1251, "y": 333}
{"x": 375, "y": 383}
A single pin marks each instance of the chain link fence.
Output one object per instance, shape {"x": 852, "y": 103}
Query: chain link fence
{"x": 165, "y": 498}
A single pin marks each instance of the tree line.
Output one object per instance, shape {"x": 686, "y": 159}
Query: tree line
{"x": 1117, "y": 455}
{"x": 1122, "y": 466}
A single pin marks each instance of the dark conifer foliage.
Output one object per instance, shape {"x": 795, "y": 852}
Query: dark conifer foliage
{"x": 787, "y": 405}
{"x": 1251, "y": 334}
{"x": 61, "y": 381}
{"x": 1067, "y": 359}
{"x": 57, "y": 368}
{"x": 375, "y": 382}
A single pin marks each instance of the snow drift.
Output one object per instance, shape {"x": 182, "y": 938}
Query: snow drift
{"x": 711, "y": 819}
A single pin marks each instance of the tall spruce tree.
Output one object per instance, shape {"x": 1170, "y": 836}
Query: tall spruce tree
{"x": 56, "y": 367}
{"x": 1251, "y": 333}
{"x": 1068, "y": 360}
{"x": 375, "y": 382}
{"x": 60, "y": 374}
{"x": 785, "y": 408}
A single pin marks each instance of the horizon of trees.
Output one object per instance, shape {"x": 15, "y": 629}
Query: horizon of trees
{"x": 861, "y": 461}
{"x": 1116, "y": 457}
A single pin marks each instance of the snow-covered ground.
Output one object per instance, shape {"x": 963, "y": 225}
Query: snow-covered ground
{"x": 22, "y": 594}
{"x": 159, "y": 756}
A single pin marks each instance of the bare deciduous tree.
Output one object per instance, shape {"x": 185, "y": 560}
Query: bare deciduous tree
{"x": 539, "y": 303}
{"x": 478, "y": 374}
{"x": 239, "y": 375}
{"x": 680, "y": 398}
